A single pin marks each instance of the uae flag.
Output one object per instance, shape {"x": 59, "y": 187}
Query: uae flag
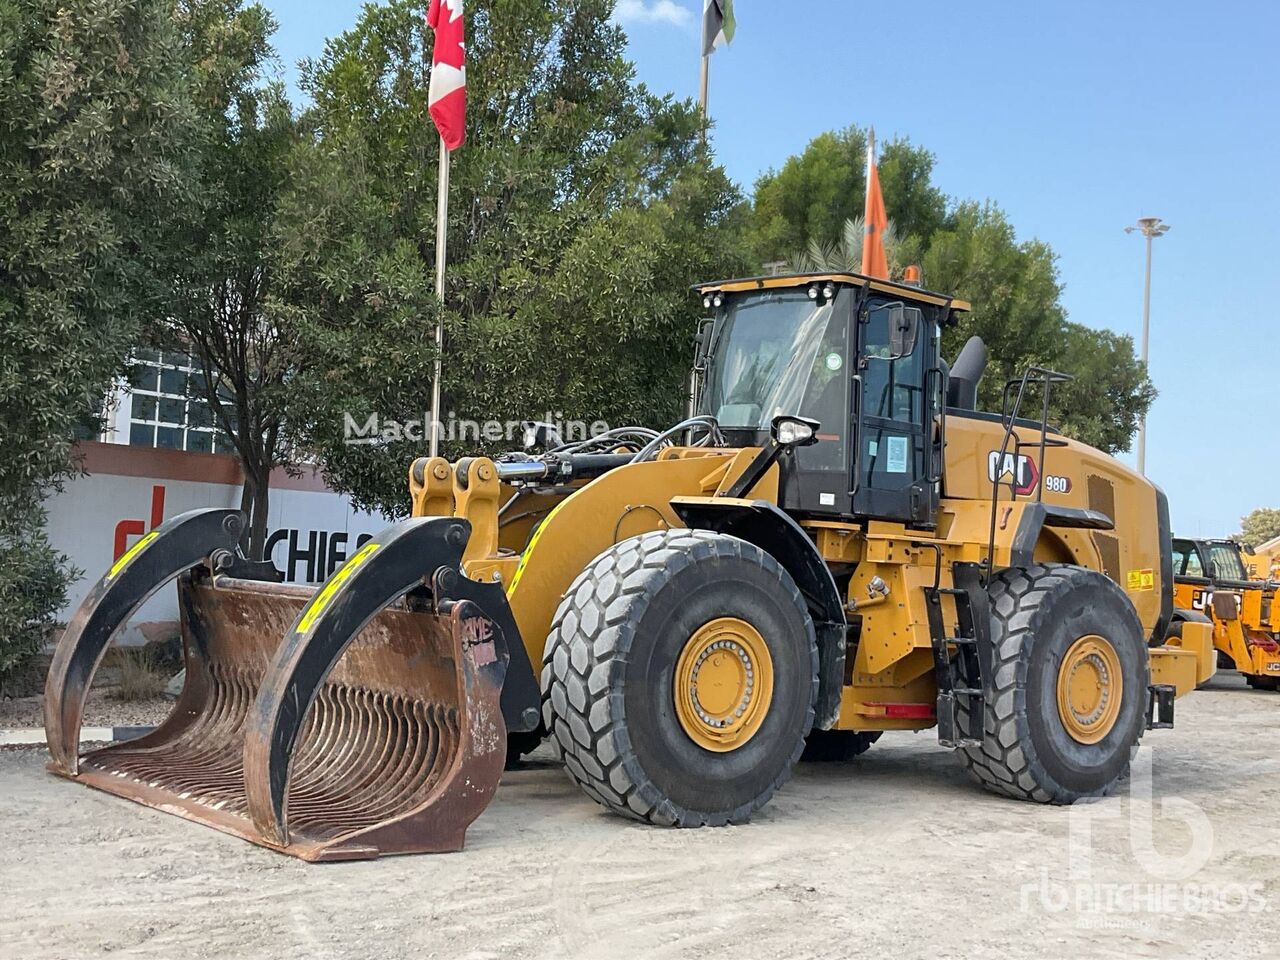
{"x": 717, "y": 25}
{"x": 447, "y": 96}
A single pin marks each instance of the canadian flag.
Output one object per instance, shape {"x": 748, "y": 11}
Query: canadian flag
{"x": 447, "y": 96}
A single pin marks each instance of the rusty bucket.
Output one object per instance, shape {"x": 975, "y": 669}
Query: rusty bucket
{"x": 353, "y": 721}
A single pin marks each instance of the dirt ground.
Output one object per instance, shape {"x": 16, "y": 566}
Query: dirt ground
{"x": 892, "y": 855}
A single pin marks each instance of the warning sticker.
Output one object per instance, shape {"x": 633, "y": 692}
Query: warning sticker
{"x": 1142, "y": 579}
{"x": 896, "y": 456}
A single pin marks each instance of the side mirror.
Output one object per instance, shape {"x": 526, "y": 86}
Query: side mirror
{"x": 904, "y": 328}
{"x": 1213, "y": 570}
{"x": 794, "y": 431}
{"x": 702, "y": 340}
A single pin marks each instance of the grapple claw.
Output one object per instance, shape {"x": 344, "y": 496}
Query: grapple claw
{"x": 199, "y": 536}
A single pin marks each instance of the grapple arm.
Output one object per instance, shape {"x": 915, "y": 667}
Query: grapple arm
{"x": 379, "y": 573}
{"x": 186, "y": 541}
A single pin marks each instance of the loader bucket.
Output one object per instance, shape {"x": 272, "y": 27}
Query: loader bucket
{"x": 348, "y": 722}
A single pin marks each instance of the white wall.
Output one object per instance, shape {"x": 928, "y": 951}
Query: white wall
{"x": 83, "y": 522}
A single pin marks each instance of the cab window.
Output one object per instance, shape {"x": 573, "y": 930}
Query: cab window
{"x": 1226, "y": 561}
{"x": 1186, "y": 560}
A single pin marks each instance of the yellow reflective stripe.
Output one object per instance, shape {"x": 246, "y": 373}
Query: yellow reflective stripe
{"x": 533, "y": 542}
{"x": 129, "y": 554}
{"x": 322, "y": 599}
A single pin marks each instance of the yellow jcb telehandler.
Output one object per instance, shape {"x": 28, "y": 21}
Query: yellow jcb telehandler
{"x": 1214, "y": 584}
{"x": 835, "y": 544}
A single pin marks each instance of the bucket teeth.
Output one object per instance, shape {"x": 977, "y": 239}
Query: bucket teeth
{"x": 373, "y": 727}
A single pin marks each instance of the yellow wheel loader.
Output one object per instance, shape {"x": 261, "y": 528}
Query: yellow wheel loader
{"x": 834, "y": 544}
{"x": 1214, "y": 585}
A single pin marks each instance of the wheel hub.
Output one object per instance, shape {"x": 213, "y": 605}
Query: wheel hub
{"x": 1090, "y": 684}
{"x": 723, "y": 684}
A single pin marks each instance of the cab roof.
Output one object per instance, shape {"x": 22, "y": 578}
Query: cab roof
{"x": 906, "y": 291}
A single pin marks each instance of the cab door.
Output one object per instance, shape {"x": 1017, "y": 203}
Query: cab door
{"x": 894, "y": 464}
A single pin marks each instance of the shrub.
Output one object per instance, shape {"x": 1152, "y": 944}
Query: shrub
{"x": 33, "y": 585}
{"x": 141, "y": 676}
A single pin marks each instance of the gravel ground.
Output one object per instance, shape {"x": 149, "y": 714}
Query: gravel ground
{"x": 100, "y": 711}
{"x": 892, "y": 855}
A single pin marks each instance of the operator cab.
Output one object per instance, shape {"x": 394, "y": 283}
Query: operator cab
{"x": 1209, "y": 561}
{"x": 856, "y": 354}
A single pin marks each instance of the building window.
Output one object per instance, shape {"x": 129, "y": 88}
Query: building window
{"x": 169, "y": 409}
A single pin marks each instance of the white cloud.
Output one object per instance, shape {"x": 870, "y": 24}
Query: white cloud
{"x": 654, "y": 11}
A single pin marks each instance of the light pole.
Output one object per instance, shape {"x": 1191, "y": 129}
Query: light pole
{"x": 1149, "y": 227}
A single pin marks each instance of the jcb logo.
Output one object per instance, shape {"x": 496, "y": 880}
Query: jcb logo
{"x": 1020, "y": 470}
{"x": 1207, "y": 599}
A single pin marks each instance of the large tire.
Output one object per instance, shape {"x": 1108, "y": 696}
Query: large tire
{"x": 1259, "y": 682}
{"x": 610, "y": 662}
{"x": 837, "y": 746}
{"x": 1038, "y": 614}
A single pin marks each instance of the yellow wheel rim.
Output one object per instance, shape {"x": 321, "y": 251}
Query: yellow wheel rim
{"x": 723, "y": 684}
{"x": 1090, "y": 686}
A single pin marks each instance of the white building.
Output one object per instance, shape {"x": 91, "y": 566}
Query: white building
{"x": 159, "y": 456}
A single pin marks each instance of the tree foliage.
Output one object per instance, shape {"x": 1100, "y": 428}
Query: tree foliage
{"x": 970, "y": 250}
{"x": 581, "y": 208}
{"x": 815, "y": 194}
{"x": 224, "y": 263}
{"x": 94, "y": 165}
{"x": 1259, "y": 526}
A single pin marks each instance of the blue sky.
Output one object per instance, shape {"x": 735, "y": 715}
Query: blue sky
{"x": 1077, "y": 118}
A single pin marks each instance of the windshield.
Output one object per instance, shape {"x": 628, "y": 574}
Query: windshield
{"x": 778, "y": 352}
{"x": 1186, "y": 559}
{"x": 1225, "y": 558}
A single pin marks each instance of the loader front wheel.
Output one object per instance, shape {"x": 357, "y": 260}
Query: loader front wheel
{"x": 1065, "y": 698}
{"x": 680, "y": 677}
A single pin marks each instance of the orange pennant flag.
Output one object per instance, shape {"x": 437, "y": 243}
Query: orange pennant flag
{"x": 874, "y": 261}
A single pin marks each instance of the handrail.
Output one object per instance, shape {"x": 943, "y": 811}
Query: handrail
{"x": 1046, "y": 378}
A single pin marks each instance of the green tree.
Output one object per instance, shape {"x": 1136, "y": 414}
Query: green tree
{"x": 224, "y": 261}
{"x": 815, "y": 194}
{"x": 1259, "y": 526}
{"x": 581, "y": 208}
{"x": 967, "y": 249}
{"x": 1016, "y": 295}
{"x": 94, "y": 166}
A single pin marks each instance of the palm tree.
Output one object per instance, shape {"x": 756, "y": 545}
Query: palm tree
{"x": 845, "y": 255}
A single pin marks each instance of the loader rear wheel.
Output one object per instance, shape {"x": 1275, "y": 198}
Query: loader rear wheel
{"x": 680, "y": 677}
{"x": 1259, "y": 682}
{"x": 1065, "y": 701}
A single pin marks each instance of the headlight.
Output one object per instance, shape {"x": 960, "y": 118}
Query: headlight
{"x": 795, "y": 431}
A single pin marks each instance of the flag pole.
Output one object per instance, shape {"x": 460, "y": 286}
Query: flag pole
{"x": 703, "y": 84}
{"x": 704, "y": 80}
{"x": 442, "y": 239}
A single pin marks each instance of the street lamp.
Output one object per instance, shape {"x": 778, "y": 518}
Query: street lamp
{"x": 1149, "y": 227}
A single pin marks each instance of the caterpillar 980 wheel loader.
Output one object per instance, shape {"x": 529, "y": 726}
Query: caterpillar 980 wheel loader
{"x": 836, "y": 544}
{"x": 1214, "y": 584}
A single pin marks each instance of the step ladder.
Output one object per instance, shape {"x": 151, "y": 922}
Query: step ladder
{"x": 961, "y": 660}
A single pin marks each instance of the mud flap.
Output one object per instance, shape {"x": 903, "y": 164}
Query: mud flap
{"x": 198, "y": 537}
